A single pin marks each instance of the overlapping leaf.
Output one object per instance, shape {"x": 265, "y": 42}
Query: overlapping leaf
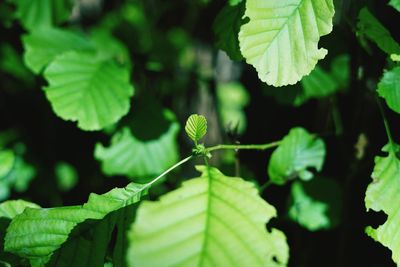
{"x": 36, "y": 234}
{"x": 226, "y": 28}
{"x": 389, "y": 88}
{"x": 44, "y": 44}
{"x": 383, "y": 195}
{"x": 95, "y": 93}
{"x": 213, "y": 220}
{"x": 281, "y": 38}
{"x": 35, "y": 14}
{"x": 395, "y": 4}
{"x": 298, "y": 151}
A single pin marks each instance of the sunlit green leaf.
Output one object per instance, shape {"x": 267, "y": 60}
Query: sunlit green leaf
{"x": 213, "y": 220}
{"x": 382, "y": 195}
{"x": 389, "y": 88}
{"x": 315, "y": 204}
{"x": 369, "y": 26}
{"x": 36, "y": 234}
{"x": 66, "y": 175}
{"x": 44, "y": 44}
{"x": 395, "y": 57}
{"x": 11, "y": 208}
{"x": 147, "y": 151}
{"x": 395, "y": 4}
{"x": 226, "y": 28}
{"x": 281, "y": 39}
{"x": 297, "y": 152}
{"x": 35, "y": 14}
{"x": 196, "y": 127}
{"x": 95, "y": 93}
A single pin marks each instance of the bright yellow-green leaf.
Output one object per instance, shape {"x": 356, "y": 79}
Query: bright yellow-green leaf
{"x": 196, "y": 127}
{"x": 213, "y": 220}
{"x": 281, "y": 38}
{"x": 383, "y": 195}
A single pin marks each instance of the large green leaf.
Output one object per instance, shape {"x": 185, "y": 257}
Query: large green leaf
{"x": 315, "y": 204}
{"x": 35, "y": 14}
{"x": 370, "y": 27}
{"x": 383, "y": 195}
{"x": 226, "y": 28}
{"x": 213, "y": 220}
{"x": 44, "y": 44}
{"x": 11, "y": 208}
{"x": 281, "y": 39}
{"x": 389, "y": 88}
{"x": 36, "y": 234}
{"x": 95, "y": 93}
{"x": 297, "y": 152}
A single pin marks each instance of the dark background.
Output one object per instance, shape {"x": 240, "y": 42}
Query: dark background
{"x": 49, "y": 139}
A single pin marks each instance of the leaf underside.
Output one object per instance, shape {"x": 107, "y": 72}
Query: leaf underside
{"x": 281, "y": 38}
{"x": 212, "y": 220}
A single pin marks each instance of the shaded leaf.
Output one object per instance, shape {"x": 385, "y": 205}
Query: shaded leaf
{"x": 66, "y": 175}
{"x": 93, "y": 93}
{"x": 297, "y": 152}
{"x": 35, "y": 14}
{"x": 281, "y": 38}
{"x": 389, "y": 88}
{"x": 7, "y": 159}
{"x": 213, "y": 220}
{"x": 315, "y": 204}
{"x": 370, "y": 27}
{"x": 226, "y": 28}
{"x": 44, "y": 44}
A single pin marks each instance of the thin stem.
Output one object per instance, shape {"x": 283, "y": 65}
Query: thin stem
{"x": 385, "y": 122}
{"x": 253, "y": 146}
{"x": 265, "y": 186}
{"x": 167, "y": 171}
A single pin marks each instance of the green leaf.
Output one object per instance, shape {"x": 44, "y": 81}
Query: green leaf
{"x": 297, "y": 152}
{"x": 196, "y": 127}
{"x": 318, "y": 84}
{"x": 8, "y": 210}
{"x": 395, "y": 4}
{"x": 36, "y": 234}
{"x": 7, "y": 159}
{"x": 35, "y": 14}
{"x": 389, "y": 88}
{"x": 395, "y": 57}
{"x": 11, "y": 63}
{"x": 213, "y": 220}
{"x": 234, "y": 2}
{"x": 11, "y": 208}
{"x": 370, "y": 27}
{"x": 93, "y": 93}
{"x": 44, "y": 44}
{"x": 281, "y": 39}
{"x": 383, "y": 195}
{"x": 66, "y": 175}
{"x": 135, "y": 157}
{"x": 226, "y": 28}
{"x": 232, "y": 99}
{"x": 315, "y": 204}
